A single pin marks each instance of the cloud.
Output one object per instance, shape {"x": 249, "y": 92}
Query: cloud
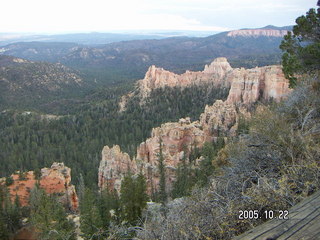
{"x": 103, "y": 15}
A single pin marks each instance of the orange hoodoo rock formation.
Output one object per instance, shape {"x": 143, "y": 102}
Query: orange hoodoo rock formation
{"x": 247, "y": 86}
{"x": 54, "y": 180}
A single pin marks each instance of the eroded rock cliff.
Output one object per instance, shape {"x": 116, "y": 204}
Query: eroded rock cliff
{"x": 113, "y": 166}
{"x": 54, "y": 180}
{"x": 215, "y": 73}
{"x": 178, "y": 138}
{"x": 264, "y": 83}
{"x": 247, "y": 85}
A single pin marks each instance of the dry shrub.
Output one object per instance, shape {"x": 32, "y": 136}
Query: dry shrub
{"x": 272, "y": 167}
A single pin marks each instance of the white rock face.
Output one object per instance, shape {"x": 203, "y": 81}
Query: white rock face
{"x": 113, "y": 167}
{"x": 215, "y": 73}
{"x": 247, "y": 85}
{"x": 257, "y": 33}
{"x": 250, "y": 85}
{"x": 178, "y": 138}
{"x": 219, "y": 68}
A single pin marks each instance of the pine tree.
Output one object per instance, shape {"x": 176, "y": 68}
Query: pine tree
{"x": 301, "y": 47}
{"x": 133, "y": 198}
{"x": 16, "y": 213}
{"x": 91, "y": 222}
{"x": 48, "y": 217}
{"x": 182, "y": 186}
{"x": 127, "y": 192}
{"x": 9, "y": 181}
{"x": 4, "y": 223}
{"x": 37, "y": 174}
{"x": 141, "y": 196}
{"x": 109, "y": 206}
{"x": 162, "y": 194}
{"x": 10, "y": 215}
{"x": 209, "y": 152}
{"x": 81, "y": 188}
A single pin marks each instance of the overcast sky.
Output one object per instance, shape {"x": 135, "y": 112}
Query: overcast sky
{"x": 54, "y": 16}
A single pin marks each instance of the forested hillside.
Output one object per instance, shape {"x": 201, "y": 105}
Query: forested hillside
{"x": 29, "y": 85}
{"x": 129, "y": 60}
{"x": 31, "y": 140}
{"x": 265, "y": 159}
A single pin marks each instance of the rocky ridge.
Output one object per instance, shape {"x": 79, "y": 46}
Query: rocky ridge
{"x": 247, "y": 85}
{"x": 258, "y": 33}
{"x": 54, "y": 180}
{"x": 251, "y": 85}
{"x": 214, "y": 73}
{"x": 179, "y": 138}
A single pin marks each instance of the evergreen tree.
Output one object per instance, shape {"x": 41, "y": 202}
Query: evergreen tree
{"x": 184, "y": 178}
{"x": 209, "y": 152}
{"x": 206, "y": 168}
{"x": 141, "y": 196}
{"x": 133, "y": 198}
{"x": 81, "y": 188}
{"x": 10, "y": 214}
{"x": 37, "y": 173}
{"x": 302, "y": 47}
{"x": 48, "y": 217}
{"x": 91, "y": 222}
{"x": 162, "y": 194}
{"x": 126, "y": 198}
{"x": 16, "y": 212}
{"x": 9, "y": 181}
{"x": 4, "y": 223}
{"x": 4, "y": 233}
{"x": 109, "y": 206}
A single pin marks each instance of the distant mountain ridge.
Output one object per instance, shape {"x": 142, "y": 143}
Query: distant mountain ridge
{"x": 93, "y": 38}
{"x": 129, "y": 60}
{"x": 25, "y": 83}
{"x": 39, "y": 51}
{"x": 289, "y": 28}
{"x": 267, "y": 31}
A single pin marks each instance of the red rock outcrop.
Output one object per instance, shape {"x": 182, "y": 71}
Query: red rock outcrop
{"x": 56, "y": 179}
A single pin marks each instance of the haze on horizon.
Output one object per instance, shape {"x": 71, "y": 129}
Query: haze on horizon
{"x": 60, "y": 16}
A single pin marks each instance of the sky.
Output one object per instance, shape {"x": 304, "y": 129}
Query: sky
{"x": 62, "y": 16}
